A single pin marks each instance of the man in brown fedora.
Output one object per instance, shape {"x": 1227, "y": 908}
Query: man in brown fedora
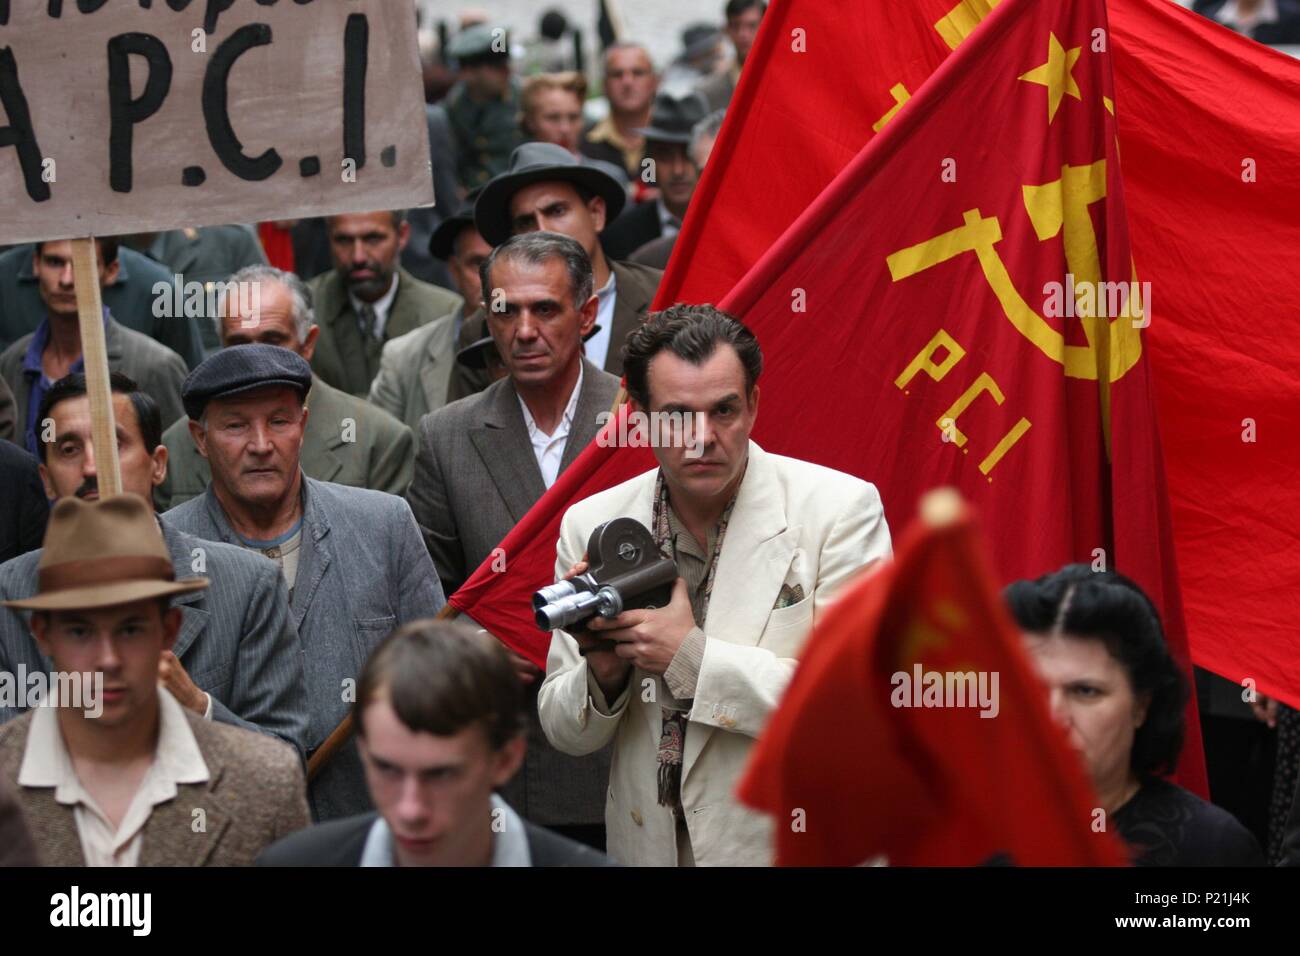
{"x": 131, "y": 778}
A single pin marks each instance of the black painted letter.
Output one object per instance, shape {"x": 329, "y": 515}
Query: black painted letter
{"x": 19, "y": 132}
{"x": 356, "y": 57}
{"x": 125, "y": 112}
{"x": 216, "y": 105}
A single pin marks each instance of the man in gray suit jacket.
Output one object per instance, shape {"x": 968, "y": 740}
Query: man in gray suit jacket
{"x": 485, "y": 460}
{"x": 352, "y": 558}
{"x": 237, "y": 658}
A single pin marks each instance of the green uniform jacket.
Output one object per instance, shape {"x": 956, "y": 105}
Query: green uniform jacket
{"x": 381, "y": 456}
{"x": 482, "y": 134}
{"x": 343, "y": 358}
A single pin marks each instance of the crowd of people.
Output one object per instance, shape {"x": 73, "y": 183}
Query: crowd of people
{"x": 309, "y": 471}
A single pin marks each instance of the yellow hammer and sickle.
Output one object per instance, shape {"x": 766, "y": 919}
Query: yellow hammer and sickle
{"x": 1113, "y": 347}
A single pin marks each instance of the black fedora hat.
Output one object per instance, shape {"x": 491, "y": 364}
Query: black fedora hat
{"x": 673, "y": 117}
{"x": 444, "y": 236}
{"x": 539, "y": 163}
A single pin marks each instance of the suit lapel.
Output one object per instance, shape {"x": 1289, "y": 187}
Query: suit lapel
{"x": 436, "y": 349}
{"x": 503, "y": 445}
{"x": 316, "y": 553}
{"x": 54, "y": 828}
{"x": 592, "y": 400}
{"x": 175, "y": 835}
{"x": 404, "y": 316}
{"x": 756, "y": 555}
{"x": 194, "y": 617}
{"x": 324, "y": 437}
{"x": 348, "y": 340}
{"x": 630, "y": 302}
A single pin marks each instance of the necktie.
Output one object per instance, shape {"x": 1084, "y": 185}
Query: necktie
{"x": 366, "y": 319}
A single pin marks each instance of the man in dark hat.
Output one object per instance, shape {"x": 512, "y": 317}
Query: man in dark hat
{"x": 547, "y": 190}
{"x": 704, "y": 134}
{"x": 415, "y": 369}
{"x": 353, "y": 558}
{"x": 483, "y": 106}
{"x": 672, "y": 169}
{"x": 111, "y": 770}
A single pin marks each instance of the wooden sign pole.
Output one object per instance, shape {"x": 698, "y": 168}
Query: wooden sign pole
{"x": 94, "y": 355}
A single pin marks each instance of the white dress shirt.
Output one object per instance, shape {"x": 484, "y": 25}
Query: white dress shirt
{"x": 549, "y": 449}
{"x": 596, "y": 348}
{"x": 177, "y": 760}
{"x": 509, "y": 840}
{"x": 382, "y": 307}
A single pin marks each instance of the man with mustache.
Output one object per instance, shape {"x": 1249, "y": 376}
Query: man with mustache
{"x": 368, "y": 298}
{"x": 236, "y": 658}
{"x": 484, "y": 461}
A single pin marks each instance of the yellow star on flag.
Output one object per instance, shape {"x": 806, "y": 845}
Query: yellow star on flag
{"x": 1055, "y": 75}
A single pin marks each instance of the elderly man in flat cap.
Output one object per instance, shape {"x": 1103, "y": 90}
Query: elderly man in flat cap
{"x": 347, "y": 440}
{"x": 236, "y": 659}
{"x": 547, "y": 190}
{"x": 110, "y": 769}
{"x": 353, "y": 558}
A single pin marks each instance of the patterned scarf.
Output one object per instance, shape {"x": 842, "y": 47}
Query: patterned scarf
{"x": 672, "y": 738}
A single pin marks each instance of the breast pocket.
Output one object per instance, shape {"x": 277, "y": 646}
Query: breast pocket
{"x": 368, "y": 632}
{"x": 787, "y": 628}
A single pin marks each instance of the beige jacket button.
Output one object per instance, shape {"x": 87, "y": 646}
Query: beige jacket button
{"x": 637, "y": 819}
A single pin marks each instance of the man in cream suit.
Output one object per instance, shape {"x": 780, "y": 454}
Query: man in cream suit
{"x": 762, "y": 543}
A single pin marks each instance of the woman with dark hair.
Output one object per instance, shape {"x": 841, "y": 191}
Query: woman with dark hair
{"x": 1097, "y": 642}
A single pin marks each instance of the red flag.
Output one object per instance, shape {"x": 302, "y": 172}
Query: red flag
{"x": 1210, "y": 135}
{"x": 827, "y": 286}
{"x": 915, "y": 726}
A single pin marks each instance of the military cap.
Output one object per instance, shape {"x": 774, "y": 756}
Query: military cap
{"x": 243, "y": 368}
{"x": 479, "y": 42}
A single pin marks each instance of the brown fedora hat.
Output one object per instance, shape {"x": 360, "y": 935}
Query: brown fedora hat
{"x": 101, "y": 554}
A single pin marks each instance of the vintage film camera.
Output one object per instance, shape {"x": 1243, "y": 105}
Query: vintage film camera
{"x": 625, "y": 572}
